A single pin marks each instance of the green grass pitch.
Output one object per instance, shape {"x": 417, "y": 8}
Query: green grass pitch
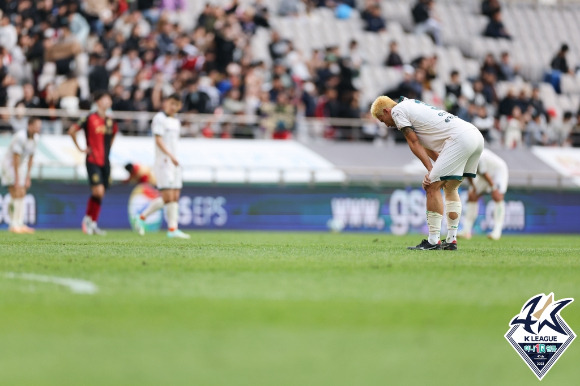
{"x": 253, "y": 308}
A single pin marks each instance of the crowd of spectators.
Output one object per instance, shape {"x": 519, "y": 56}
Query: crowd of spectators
{"x": 54, "y": 54}
{"x": 57, "y": 53}
{"x": 519, "y": 118}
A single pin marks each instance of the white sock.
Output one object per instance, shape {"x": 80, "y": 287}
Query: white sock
{"x": 498, "y": 218}
{"x": 153, "y": 207}
{"x": 434, "y": 223}
{"x": 172, "y": 214}
{"x": 470, "y": 216}
{"x": 452, "y": 224}
{"x": 17, "y": 219}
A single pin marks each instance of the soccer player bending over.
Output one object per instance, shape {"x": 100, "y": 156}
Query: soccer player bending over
{"x": 448, "y": 146}
{"x": 139, "y": 174}
{"x": 100, "y": 131}
{"x": 493, "y": 178}
{"x": 166, "y": 129}
{"x": 16, "y": 172}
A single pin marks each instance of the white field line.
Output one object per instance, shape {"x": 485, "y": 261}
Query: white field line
{"x": 75, "y": 285}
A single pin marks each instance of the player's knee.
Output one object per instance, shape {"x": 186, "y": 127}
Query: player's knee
{"x": 497, "y": 197}
{"x": 448, "y": 190}
{"x": 453, "y": 210}
{"x": 98, "y": 193}
{"x": 433, "y": 188}
{"x": 451, "y": 186}
{"x": 18, "y": 193}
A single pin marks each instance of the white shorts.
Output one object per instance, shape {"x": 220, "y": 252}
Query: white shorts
{"x": 499, "y": 178}
{"x": 459, "y": 157}
{"x": 8, "y": 175}
{"x": 168, "y": 176}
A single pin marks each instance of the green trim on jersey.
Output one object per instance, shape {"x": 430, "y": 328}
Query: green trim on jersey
{"x": 471, "y": 175}
{"x": 446, "y": 178}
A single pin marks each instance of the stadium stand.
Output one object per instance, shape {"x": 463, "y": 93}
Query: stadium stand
{"x": 221, "y": 57}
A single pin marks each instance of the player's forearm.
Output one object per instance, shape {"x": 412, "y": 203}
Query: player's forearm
{"x": 159, "y": 142}
{"x": 30, "y": 162}
{"x": 421, "y": 153}
{"x": 73, "y": 135}
{"x": 488, "y": 179}
{"x": 15, "y": 165}
{"x": 77, "y": 145}
{"x": 432, "y": 154}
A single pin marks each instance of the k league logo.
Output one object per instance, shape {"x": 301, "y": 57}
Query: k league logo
{"x": 539, "y": 334}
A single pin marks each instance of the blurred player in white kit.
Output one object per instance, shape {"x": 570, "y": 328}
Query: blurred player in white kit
{"x": 166, "y": 128}
{"x": 16, "y": 168}
{"x": 492, "y": 177}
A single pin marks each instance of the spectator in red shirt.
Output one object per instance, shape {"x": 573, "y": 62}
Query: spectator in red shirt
{"x": 99, "y": 132}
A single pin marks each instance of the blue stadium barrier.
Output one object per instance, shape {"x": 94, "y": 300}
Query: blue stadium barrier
{"x": 54, "y": 205}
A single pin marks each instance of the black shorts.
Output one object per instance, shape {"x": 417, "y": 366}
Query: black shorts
{"x": 99, "y": 175}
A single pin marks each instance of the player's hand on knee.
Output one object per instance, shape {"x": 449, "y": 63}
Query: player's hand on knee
{"x": 426, "y": 181}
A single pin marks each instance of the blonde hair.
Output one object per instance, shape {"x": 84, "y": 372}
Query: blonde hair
{"x": 382, "y": 102}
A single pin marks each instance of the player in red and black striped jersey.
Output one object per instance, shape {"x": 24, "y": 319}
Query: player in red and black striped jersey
{"x": 99, "y": 132}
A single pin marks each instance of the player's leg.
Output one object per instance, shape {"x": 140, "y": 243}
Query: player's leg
{"x": 22, "y": 194}
{"x": 456, "y": 161}
{"x": 471, "y": 215}
{"x": 95, "y": 176}
{"x": 94, "y": 209}
{"x": 154, "y": 205}
{"x": 173, "y": 218}
{"x": 434, "y": 211}
{"x": 163, "y": 183}
{"x": 97, "y": 195}
{"x": 173, "y": 208}
{"x": 8, "y": 180}
{"x": 434, "y": 217}
{"x": 98, "y": 192}
{"x": 17, "y": 214}
{"x": 498, "y": 195}
{"x": 23, "y": 227}
{"x": 452, "y": 210}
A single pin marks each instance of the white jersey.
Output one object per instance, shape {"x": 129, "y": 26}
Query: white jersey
{"x": 432, "y": 125}
{"x": 497, "y": 169}
{"x": 21, "y": 145}
{"x": 168, "y": 128}
{"x": 491, "y": 163}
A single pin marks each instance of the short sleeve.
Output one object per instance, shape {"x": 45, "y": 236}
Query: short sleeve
{"x": 157, "y": 126}
{"x": 400, "y": 118}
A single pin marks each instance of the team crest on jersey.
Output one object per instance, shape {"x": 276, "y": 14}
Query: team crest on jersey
{"x": 539, "y": 334}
